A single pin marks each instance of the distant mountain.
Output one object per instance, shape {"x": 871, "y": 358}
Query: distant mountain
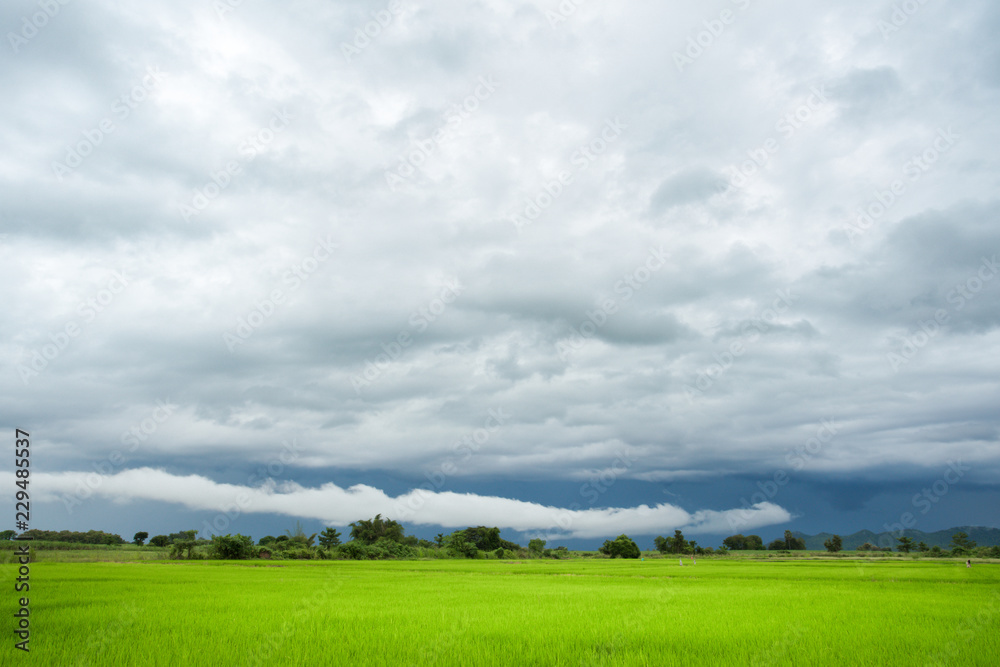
{"x": 983, "y": 537}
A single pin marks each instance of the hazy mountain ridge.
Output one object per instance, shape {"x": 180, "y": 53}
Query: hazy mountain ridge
{"x": 983, "y": 536}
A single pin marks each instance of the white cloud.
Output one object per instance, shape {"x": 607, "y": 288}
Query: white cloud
{"x": 338, "y": 506}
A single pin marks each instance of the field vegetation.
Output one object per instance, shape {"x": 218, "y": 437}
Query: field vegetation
{"x": 577, "y": 611}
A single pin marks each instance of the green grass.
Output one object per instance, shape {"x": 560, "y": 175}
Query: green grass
{"x": 573, "y": 612}
{"x": 67, "y": 552}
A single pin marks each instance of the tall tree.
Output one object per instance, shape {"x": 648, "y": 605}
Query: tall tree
{"x": 792, "y": 542}
{"x": 140, "y": 538}
{"x": 297, "y": 534}
{"x": 905, "y": 544}
{"x": 329, "y": 538}
{"x": 677, "y": 544}
{"x": 737, "y": 542}
{"x": 961, "y": 544}
{"x": 834, "y": 544}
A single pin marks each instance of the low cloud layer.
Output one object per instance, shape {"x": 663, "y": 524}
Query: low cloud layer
{"x": 337, "y": 506}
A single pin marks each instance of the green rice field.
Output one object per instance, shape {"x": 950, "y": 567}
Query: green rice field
{"x": 571, "y": 612}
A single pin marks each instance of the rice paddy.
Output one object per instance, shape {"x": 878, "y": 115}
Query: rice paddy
{"x": 535, "y": 612}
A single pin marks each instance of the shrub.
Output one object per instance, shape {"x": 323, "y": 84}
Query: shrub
{"x": 231, "y": 547}
{"x": 622, "y": 547}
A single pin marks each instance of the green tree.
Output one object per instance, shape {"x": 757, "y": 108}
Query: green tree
{"x": 231, "y": 547}
{"x": 536, "y": 547}
{"x": 922, "y": 547}
{"x": 159, "y": 541}
{"x": 457, "y": 545}
{"x": 488, "y": 539}
{"x": 180, "y": 547}
{"x": 905, "y": 544}
{"x": 369, "y": 531}
{"x": 794, "y": 543}
{"x": 299, "y": 536}
{"x": 140, "y": 538}
{"x": 183, "y": 536}
{"x": 329, "y": 538}
{"x": 740, "y": 542}
{"x": 961, "y": 544}
{"x": 621, "y": 547}
{"x": 834, "y": 544}
{"x": 7, "y": 534}
{"x": 777, "y": 545}
{"x": 737, "y": 542}
{"x": 676, "y": 544}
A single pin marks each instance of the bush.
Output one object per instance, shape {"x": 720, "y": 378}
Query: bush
{"x": 231, "y": 547}
{"x": 622, "y": 547}
{"x": 383, "y": 549}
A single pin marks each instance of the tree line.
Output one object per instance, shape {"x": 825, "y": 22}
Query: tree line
{"x": 380, "y": 538}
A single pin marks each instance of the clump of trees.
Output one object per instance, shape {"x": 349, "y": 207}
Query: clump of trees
{"x": 675, "y": 545}
{"x": 789, "y": 543}
{"x": 621, "y": 547}
{"x": 89, "y": 537}
{"x": 381, "y": 538}
{"x": 232, "y": 547}
{"x": 741, "y": 542}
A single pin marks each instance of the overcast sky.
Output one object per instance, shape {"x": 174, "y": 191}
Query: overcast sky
{"x": 569, "y": 269}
